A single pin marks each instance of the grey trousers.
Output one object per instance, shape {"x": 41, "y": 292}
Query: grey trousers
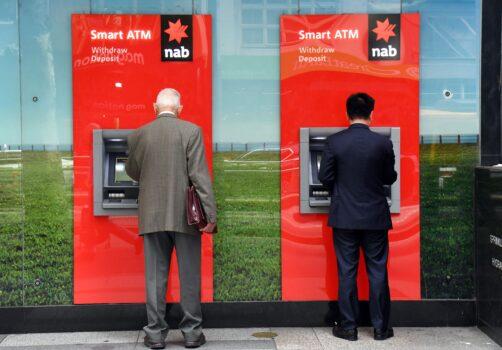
{"x": 158, "y": 247}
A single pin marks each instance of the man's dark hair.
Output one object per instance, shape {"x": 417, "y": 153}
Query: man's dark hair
{"x": 360, "y": 105}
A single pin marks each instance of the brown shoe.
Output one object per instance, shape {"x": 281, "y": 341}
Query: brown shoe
{"x": 195, "y": 343}
{"x": 153, "y": 344}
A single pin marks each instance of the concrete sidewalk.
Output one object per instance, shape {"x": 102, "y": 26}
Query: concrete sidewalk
{"x": 258, "y": 339}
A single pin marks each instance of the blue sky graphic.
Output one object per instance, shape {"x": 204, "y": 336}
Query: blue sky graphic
{"x": 35, "y": 60}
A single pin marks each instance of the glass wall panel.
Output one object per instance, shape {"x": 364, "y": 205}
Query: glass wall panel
{"x": 449, "y": 63}
{"x": 449, "y": 127}
{"x": 141, "y": 6}
{"x": 349, "y": 6}
{"x": 10, "y": 133}
{"x": 36, "y": 208}
{"x": 46, "y": 91}
{"x": 11, "y": 199}
{"x": 46, "y": 102}
{"x": 246, "y": 135}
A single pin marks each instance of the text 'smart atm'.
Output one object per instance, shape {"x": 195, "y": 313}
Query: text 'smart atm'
{"x": 314, "y": 197}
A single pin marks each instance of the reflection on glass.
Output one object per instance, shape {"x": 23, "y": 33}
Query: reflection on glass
{"x": 252, "y": 16}
{"x": 247, "y": 253}
{"x": 11, "y": 196}
{"x": 120, "y": 172}
{"x": 319, "y": 159}
{"x": 11, "y": 228}
{"x": 449, "y": 148}
{"x": 447, "y": 181}
{"x": 252, "y": 36}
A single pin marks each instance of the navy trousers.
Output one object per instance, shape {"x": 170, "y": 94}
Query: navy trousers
{"x": 375, "y": 245}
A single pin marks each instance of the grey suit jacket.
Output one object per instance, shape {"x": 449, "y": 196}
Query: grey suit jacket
{"x": 162, "y": 156}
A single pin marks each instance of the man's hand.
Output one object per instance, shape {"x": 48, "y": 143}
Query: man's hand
{"x": 209, "y": 228}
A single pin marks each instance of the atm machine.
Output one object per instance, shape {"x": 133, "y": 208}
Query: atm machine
{"x": 314, "y": 197}
{"x": 115, "y": 193}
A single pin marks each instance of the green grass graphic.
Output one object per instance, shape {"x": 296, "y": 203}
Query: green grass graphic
{"x": 36, "y": 225}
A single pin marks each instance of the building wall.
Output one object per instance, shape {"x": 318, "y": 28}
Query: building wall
{"x": 36, "y": 140}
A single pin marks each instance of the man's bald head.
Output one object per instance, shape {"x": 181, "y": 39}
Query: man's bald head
{"x": 168, "y": 100}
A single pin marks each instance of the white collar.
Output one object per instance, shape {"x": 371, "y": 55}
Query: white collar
{"x": 166, "y": 113}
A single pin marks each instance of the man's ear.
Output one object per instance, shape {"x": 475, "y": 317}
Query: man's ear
{"x": 155, "y": 108}
{"x": 180, "y": 108}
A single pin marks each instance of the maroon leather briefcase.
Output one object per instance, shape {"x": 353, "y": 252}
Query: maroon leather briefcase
{"x": 195, "y": 212}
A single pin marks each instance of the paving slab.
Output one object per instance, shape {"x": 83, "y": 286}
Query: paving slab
{"x": 118, "y": 346}
{"x": 242, "y": 339}
{"x": 51, "y": 339}
{"x": 224, "y": 345}
{"x": 234, "y": 333}
{"x": 214, "y": 334}
{"x": 296, "y": 339}
{"x": 412, "y": 338}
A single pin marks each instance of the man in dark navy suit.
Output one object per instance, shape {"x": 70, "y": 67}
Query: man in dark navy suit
{"x": 356, "y": 164}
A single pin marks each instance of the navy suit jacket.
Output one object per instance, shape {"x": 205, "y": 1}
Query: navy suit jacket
{"x": 356, "y": 164}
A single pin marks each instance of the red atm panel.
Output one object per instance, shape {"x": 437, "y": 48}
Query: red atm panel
{"x": 116, "y": 78}
{"x": 324, "y": 59}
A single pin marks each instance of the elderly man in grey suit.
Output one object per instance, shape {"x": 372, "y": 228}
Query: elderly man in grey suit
{"x": 163, "y": 156}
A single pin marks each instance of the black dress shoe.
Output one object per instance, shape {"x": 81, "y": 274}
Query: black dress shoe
{"x": 347, "y": 334}
{"x": 195, "y": 343}
{"x": 154, "y": 344}
{"x": 382, "y": 335}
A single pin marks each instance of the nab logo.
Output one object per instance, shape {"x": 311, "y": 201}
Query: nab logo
{"x": 384, "y": 37}
{"x": 176, "y": 38}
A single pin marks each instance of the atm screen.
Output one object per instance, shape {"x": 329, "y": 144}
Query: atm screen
{"x": 316, "y": 158}
{"x": 120, "y": 173}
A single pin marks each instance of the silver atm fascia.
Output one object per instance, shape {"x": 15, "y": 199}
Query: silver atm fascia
{"x": 315, "y": 198}
{"x": 114, "y": 194}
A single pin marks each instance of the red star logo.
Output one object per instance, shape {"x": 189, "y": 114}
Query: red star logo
{"x": 176, "y": 31}
{"x": 384, "y": 30}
